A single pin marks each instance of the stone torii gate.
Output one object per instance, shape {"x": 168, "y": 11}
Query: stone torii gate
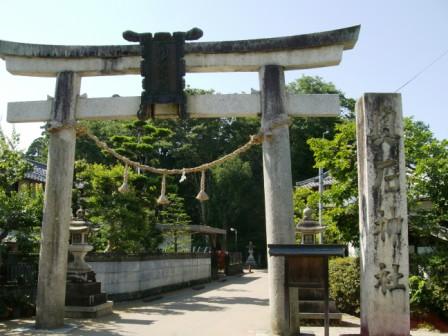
{"x": 268, "y": 57}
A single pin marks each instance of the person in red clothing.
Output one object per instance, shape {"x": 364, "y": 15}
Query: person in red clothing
{"x": 221, "y": 260}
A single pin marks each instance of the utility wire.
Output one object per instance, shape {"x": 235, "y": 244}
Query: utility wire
{"x": 422, "y": 71}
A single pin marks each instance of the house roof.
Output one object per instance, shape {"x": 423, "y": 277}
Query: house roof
{"x": 11, "y": 237}
{"x": 441, "y": 232}
{"x": 313, "y": 182}
{"x": 38, "y": 172}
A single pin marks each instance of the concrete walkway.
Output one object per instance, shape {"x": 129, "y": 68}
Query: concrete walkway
{"x": 237, "y": 306}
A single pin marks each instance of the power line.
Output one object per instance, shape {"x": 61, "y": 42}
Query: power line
{"x": 422, "y": 71}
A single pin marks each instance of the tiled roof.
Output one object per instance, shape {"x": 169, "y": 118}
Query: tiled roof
{"x": 313, "y": 182}
{"x": 37, "y": 173}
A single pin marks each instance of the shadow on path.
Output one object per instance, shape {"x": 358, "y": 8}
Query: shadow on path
{"x": 185, "y": 301}
{"x": 196, "y": 303}
{"x": 27, "y": 328}
{"x": 138, "y": 316}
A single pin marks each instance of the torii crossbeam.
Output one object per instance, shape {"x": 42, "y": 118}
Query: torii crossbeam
{"x": 269, "y": 57}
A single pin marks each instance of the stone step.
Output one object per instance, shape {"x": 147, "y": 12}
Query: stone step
{"x": 89, "y": 312}
{"x": 319, "y": 316}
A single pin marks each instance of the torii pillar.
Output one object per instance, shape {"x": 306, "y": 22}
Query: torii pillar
{"x": 58, "y": 204}
{"x": 277, "y": 188}
{"x": 269, "y": 57}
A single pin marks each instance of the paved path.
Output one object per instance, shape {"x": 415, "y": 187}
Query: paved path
{"x": 236, "y": 307}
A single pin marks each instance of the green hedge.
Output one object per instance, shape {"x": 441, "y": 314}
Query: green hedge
{"x": 345, "y": 284}
{"x": 428, "y": 283}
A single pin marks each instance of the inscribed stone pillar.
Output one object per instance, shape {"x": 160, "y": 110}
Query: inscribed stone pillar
{"x": 382, "y": 216}
{"x": 277, "y": 188}
{"x": 50, "y": 301}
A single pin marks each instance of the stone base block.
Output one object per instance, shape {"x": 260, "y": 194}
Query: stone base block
{"x": 83, "y": 288}
{"x": 90, "y": 300}
{"x": 89, "y": 312}
{"x": 84, "y": 294}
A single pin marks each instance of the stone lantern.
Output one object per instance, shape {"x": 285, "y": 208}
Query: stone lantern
{"x": 84, "y": 297}
{"x": 80, "y": 228}
{"x": 309, "y": 228}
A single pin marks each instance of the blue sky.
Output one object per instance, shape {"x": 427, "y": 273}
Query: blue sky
{"x": 397, "y": 40}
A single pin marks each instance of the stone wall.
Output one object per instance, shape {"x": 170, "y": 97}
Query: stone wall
{"x": 133, "y": 277}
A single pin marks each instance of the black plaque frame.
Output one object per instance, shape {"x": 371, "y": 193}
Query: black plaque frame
{"x": 163, "y": 69}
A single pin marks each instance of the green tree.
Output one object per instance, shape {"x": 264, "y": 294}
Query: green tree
{"x": 338, "y": 156}
{"x": 12, "y": 164}
{"x": 21, "y": 214}
{"x": 427, "y": 173}
{"x": 145, "y": 142}
{"x": 88, "y": 151}
{"x": 195, "y": 142}
{"x": 175, "y": 223}
{"x": 126, "y": 220}
{"x": 19, "y": 211}
{"x": 232, "y": 183}
{"x": 303, "y": 129}
{"x": 427, "y": 167}
{"x": 336, "y": 153}
{"x": 38, "y": 150}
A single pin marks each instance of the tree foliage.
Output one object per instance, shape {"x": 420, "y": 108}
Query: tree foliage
{"x": 428, "y": 283}
{"x": 38, "y": 150}
{"x": 175, "y": 223}
{"x": 232, "y": 183}
{"x": 303, "y": 129}
{"x": 427, "y": 176}
{"x": 21, "y": 214}
{"x": 12, "y": 164}
{"x": 126, "y": 220}
{"x": 427, "y": 165}
{"x": 338, "y": 156}
{"x": 20, "y": 211}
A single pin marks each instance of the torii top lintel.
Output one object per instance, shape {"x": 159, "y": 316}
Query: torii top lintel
{"x": 291, "y": 52}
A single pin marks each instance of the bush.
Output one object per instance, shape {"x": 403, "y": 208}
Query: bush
{"x": 428, "y": 283}
{"x": 344, "y": 274}
{"x": 16, "y": 302}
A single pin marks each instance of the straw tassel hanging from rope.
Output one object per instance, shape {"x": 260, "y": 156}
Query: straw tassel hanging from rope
{"x": 202, "y": 195}
{"x": 163, "y": 200}
{"x": 183, "y": 177}
{"x": 124, "y": 188}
